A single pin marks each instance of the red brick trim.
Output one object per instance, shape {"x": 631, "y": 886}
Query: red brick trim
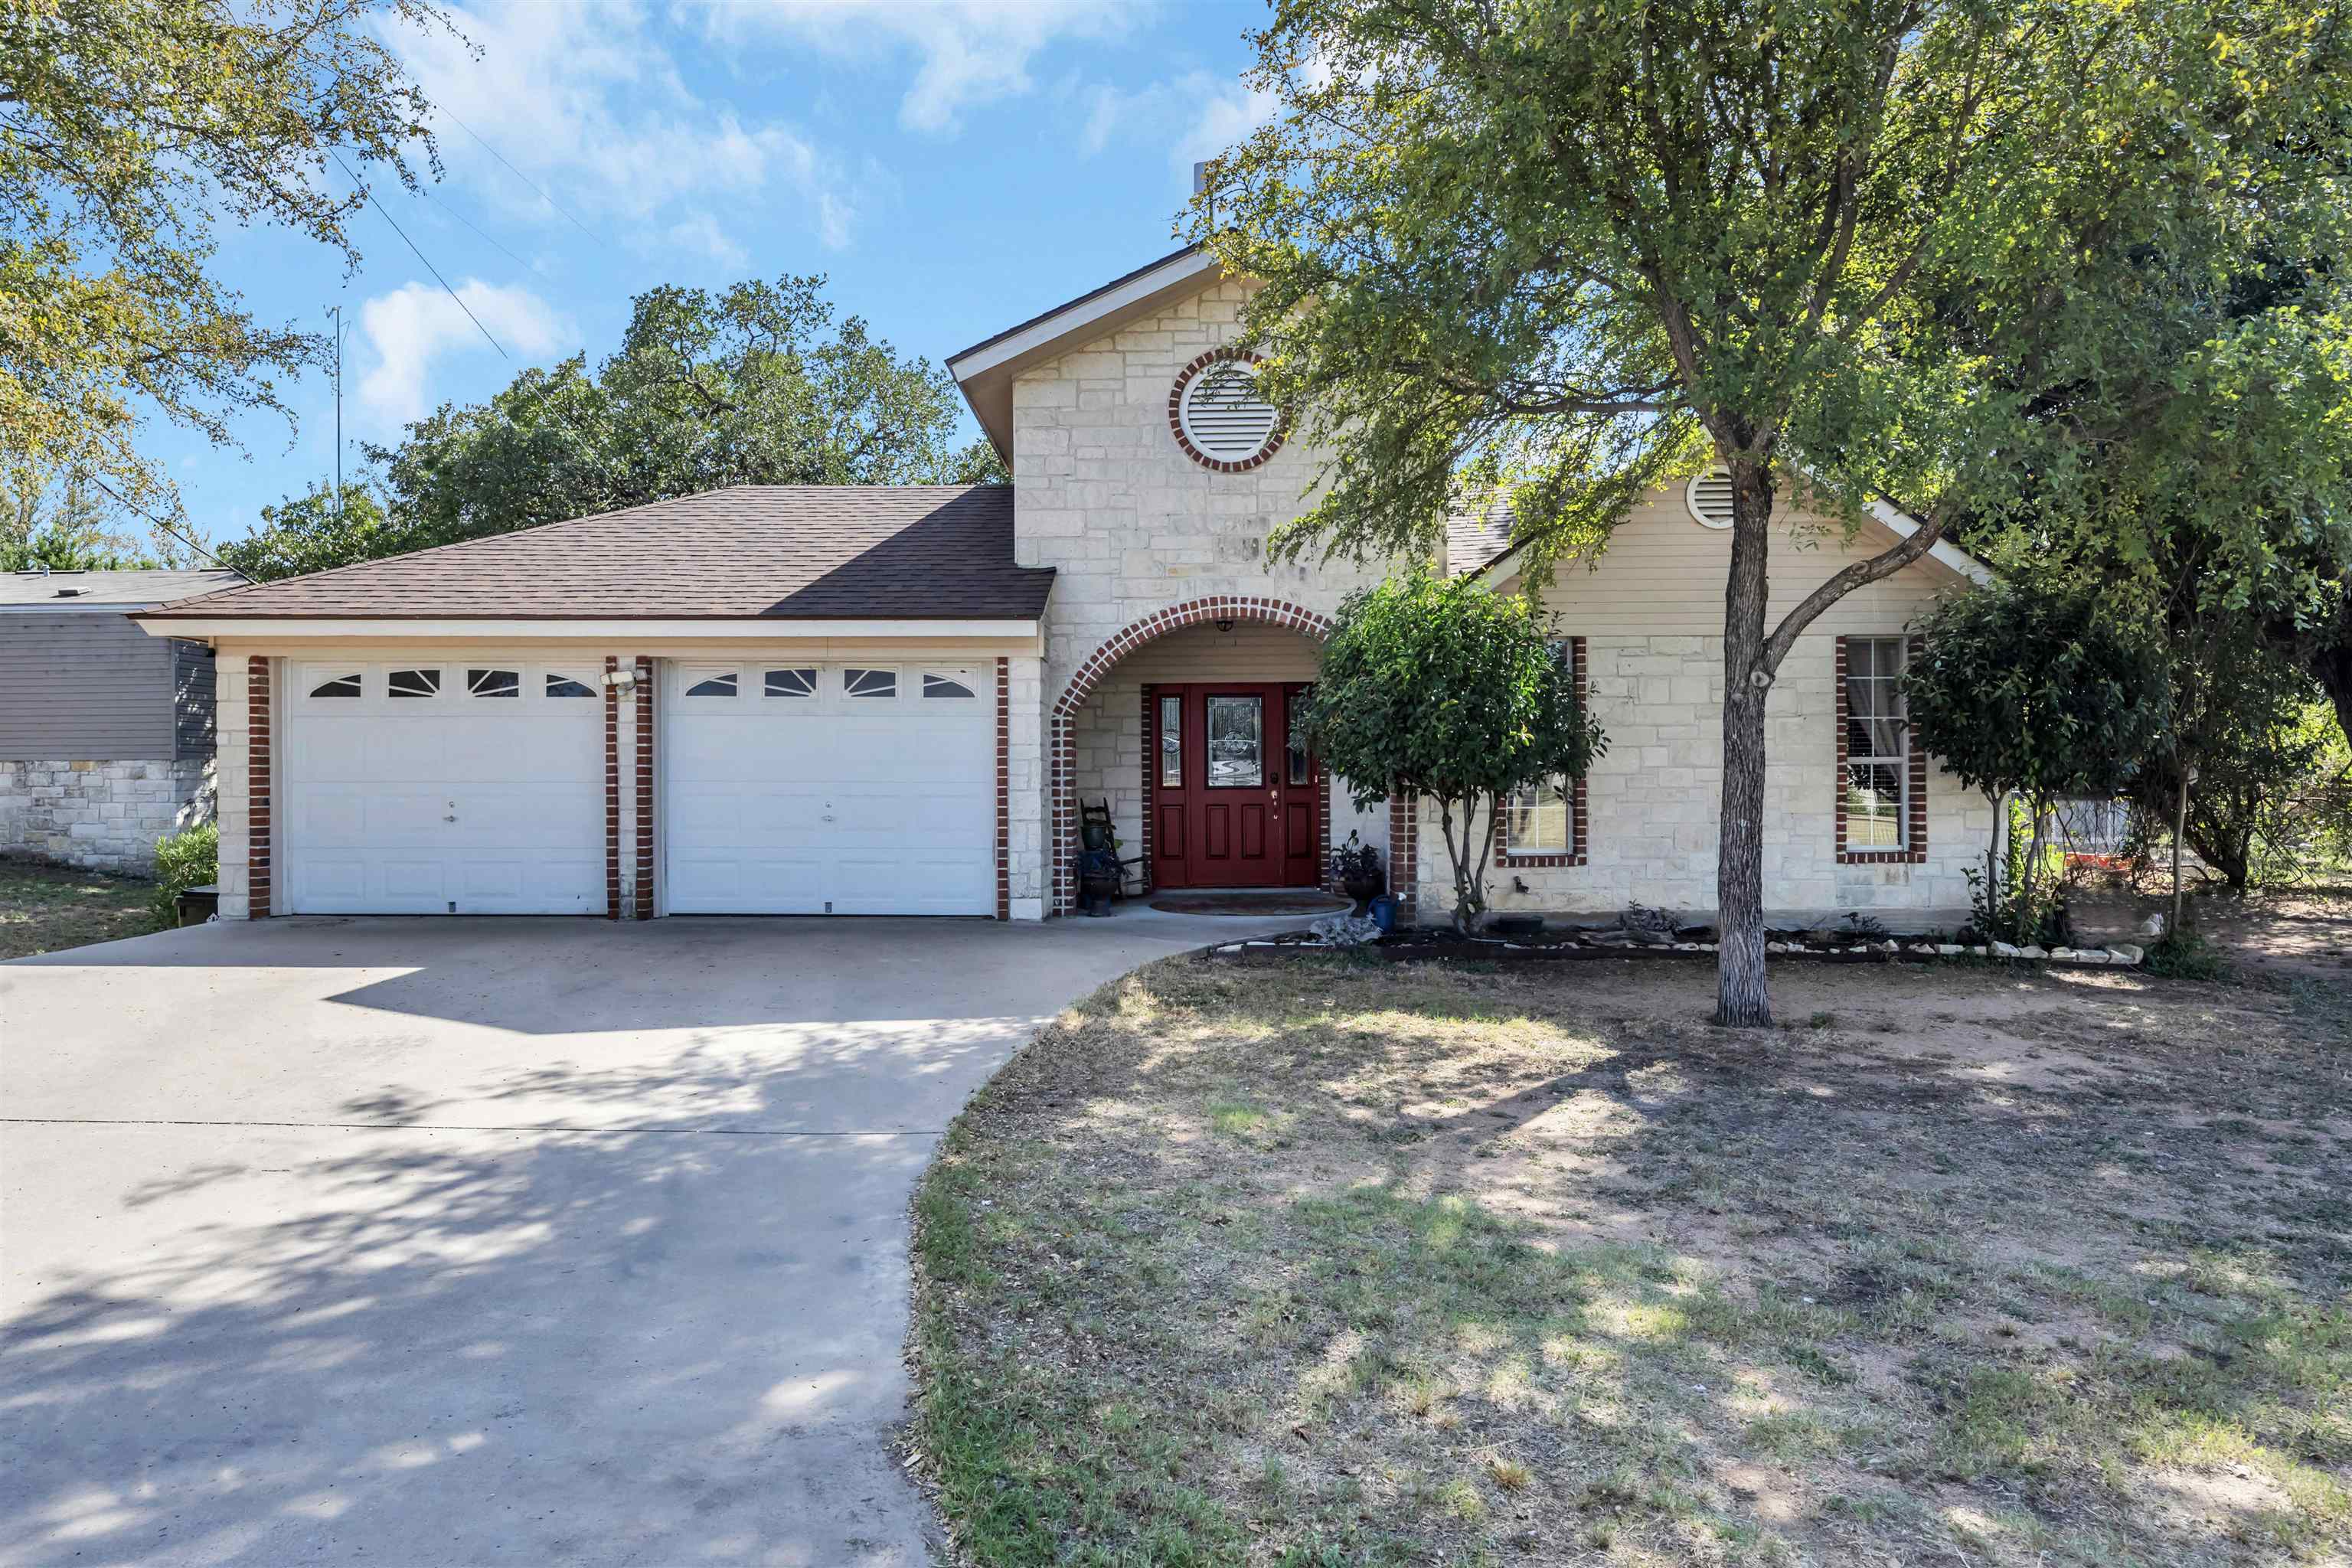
{"x": 644, "y": 890}
{"x": 1004, "y": 789}
{"x": 259, "y": 803}
{"x": 1914, "y": 806}
{"x": 1062, "y": 744}
{"x": 611, "y": 791}
{"x": 1176, "y": 416}
{"x": 1579, "y": 842}
{"x": 1404, "y": 851}
{"x": 1151, "y": 772}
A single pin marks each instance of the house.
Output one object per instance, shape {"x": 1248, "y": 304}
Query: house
{"x": 106, "y": 735}
{"x": 896, "y": 700}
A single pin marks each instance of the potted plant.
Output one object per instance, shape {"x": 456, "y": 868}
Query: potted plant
{"x": 1356, "y": 866}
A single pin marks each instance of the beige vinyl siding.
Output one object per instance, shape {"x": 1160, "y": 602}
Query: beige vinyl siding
{"x": 83, "y": 685}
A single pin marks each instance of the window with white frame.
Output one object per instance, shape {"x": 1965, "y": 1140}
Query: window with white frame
{"x": 1877, "y": 743}
{"x": 1540, "y": 818}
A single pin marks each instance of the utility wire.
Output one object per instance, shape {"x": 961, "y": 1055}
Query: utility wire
{"x": 125, "y": 502}
{"x": 461, "y": 304}
{"x": 519, "y": 174}
{"x": 427, "y": 192}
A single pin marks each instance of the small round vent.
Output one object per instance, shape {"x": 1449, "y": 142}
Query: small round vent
{"x": 1218, "y": 416}
{"x": 1709, "y": 497}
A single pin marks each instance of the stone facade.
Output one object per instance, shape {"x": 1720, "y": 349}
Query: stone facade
{"x": 102, "y": 814}
{"x": 1137, "y": 528}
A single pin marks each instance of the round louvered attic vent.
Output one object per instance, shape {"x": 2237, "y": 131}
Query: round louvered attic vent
{"x": 1709, "y": 497}
{"x": 1218, "y": 416}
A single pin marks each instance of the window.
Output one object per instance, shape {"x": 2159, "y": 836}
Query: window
{"x": 340, "y": 686}
{"x": 869, "y": 682}
{"x": 1236, "y": 727}
{"x": 415, "y": 683}
{"x": 1538, "y": 819}
{"x": 494, "y": 682}
{"x": 1171, "y": 742}
{"x": 1877, "y": 744}
{"x": 944, "y": 687}
{"x": 798, "y": 682}
{"x": 713, "y": 685}
{"x": 1294, "y": 759}
{"x": 1540, "y": 823}
{"x": 564, "y": 686}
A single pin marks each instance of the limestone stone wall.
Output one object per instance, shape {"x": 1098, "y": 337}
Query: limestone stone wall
{"x": 101, "y": 813}
{"x": 1133, "y": 525}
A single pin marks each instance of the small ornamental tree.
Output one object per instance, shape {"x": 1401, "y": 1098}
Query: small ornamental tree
{"x": 2038, "y": 689}
{"x": 1436, "y": 686}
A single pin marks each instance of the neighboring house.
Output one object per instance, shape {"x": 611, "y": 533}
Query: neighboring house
{"x": 106, "y": 735}
{"x": 896, "y": 700}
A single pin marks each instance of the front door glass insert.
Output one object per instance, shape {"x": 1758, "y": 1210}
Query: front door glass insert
{"x": 1236, "y": 743}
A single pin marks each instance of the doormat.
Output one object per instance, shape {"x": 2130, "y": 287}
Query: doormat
{"x": 1253, "y": 901}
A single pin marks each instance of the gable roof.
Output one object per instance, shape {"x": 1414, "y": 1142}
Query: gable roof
{"x": 113, "y": 590}
{"x": 1474, "y": 539}
{"x": 986, "y": 370}
{"x": 764, "y": 551}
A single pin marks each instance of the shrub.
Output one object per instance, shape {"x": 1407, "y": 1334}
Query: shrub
{"x": 184, "y": 860}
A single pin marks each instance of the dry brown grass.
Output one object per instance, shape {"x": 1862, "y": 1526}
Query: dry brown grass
{"x": 1327, "y": 1263}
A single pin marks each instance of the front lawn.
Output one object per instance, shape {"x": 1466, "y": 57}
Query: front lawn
{"x": 1334, "y": 1263}
{"x": 46, "y": 908}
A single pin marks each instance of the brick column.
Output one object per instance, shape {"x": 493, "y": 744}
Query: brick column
{"x": 260, "y": 779}
{"x": 645, "y": 910}
{"x": 1004, "y": 789}
{"x": 611, "y": 791}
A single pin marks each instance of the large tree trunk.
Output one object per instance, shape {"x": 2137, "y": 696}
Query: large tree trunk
{"x": 1740, "y": 995}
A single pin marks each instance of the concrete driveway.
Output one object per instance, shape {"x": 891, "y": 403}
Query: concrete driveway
{"x": 460, "y": 1241}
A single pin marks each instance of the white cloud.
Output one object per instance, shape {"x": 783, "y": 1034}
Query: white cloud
{"x": 967, "y": 52}
{"x": 1197, "y": 115}
{"x": 586, "y": 102}
{"x": 417, "y": 323}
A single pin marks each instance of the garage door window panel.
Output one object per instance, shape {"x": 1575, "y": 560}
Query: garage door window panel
{"x": 869, "y": 685}
{"x": 948, "y": 685}
{"x": 569, "y": 685}
{"x": 797, "y": 682}
{"x": 721, "y": 683}
{"x": 414, "y": 683}
{"x": 494, "y": 683}
{"x": 334, "y": 686}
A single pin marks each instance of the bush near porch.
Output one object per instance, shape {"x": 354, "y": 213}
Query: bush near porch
{"x": 1337, "y": 1263}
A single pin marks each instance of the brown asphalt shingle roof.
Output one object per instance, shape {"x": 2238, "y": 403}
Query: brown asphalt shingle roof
{"x": 777, "y": 551}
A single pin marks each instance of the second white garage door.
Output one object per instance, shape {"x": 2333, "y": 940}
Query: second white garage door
{"x": 830, "y": 789}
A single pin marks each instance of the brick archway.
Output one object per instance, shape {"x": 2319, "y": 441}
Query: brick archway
{"x": 1062, "y": 743}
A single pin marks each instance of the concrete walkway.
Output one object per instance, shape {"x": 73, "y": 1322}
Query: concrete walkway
{"x": 424, "y": 1242}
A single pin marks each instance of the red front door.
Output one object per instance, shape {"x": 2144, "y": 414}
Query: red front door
{"x": 1232, "y": 803}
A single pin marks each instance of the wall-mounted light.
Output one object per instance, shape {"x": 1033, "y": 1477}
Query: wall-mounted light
{"x": 1224, "y": 626}
{"x": 621, "y": 680}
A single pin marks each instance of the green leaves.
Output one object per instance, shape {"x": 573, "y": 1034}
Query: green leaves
{"x": 128, "y": 130}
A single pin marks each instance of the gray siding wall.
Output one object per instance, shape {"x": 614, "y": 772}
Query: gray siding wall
{"x": 193, "y": 700}
{"x": 83, "y": 684}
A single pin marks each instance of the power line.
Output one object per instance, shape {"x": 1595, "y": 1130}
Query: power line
{"x": 427, "y": 192}
{"x": 461, "y": 304}
{"x": 122, "y": 500}
{"x": 519, "y": 174}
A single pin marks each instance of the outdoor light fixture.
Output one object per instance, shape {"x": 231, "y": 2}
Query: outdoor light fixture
{"x": 621, "y": 679}
{"x": 1224, "y": 626}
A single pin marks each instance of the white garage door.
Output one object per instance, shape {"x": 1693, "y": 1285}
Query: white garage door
{"x": 443, "y": 786}
{"x": 831, "y": 789}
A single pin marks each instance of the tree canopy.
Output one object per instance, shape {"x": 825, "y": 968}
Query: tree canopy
{"x": 129, "y": 132}
{"x": 1560, "y": 250}
{"x": 755, "y": 385}
{"x": 1433, "y": 686}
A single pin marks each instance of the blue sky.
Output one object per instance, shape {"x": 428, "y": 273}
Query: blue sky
{"x": 954, "y": 166}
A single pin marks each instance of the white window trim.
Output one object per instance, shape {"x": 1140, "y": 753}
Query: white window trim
{"x": 1900, "y": 762}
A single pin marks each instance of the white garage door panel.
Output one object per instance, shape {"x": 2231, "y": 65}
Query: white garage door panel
{"x": 495, "y": 806}
{"x": 859, "y": 805}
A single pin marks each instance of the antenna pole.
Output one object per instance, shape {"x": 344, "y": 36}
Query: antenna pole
{"x": 337, "y": 314}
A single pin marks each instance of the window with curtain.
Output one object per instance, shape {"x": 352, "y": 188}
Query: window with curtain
{"x": 1877, "y": 743}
